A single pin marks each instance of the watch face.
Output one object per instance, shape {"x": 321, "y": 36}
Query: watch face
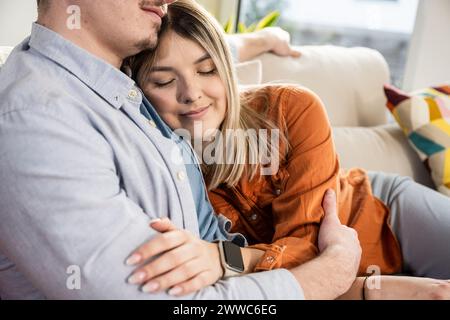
{"x": 233, "y": 256}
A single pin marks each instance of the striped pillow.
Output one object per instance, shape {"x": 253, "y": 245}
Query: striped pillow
{"x": 424, "y": 116}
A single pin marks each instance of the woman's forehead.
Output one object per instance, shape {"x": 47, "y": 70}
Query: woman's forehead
{"x": 173, "y": 46}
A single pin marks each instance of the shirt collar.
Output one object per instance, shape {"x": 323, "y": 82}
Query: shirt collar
{"x": 160, "y": 124}
{"x": 110, "y": 83}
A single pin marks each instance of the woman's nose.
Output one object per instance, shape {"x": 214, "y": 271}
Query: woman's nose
{"x": 189, "y": 93}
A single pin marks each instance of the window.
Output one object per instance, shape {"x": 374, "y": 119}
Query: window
{"x": 384, "y": 25}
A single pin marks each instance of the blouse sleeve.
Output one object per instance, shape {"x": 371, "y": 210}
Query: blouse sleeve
{"x": 312, "y": 168}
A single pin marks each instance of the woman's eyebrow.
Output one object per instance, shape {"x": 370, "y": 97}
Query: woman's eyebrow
{"x": 206, "y": 56}
{"x": 156, "y": 69}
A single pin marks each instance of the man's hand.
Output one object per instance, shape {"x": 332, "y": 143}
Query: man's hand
{"x": 333, "y": 233}
{"x": 332, "y": 273}
{"x": 185, "y": 263}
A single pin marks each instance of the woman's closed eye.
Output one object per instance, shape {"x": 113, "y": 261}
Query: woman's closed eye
{"x": 208, "y": 72}
{"x": 162, "y": 83}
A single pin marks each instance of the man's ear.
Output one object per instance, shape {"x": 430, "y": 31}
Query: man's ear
{"x": 42, "y": 5}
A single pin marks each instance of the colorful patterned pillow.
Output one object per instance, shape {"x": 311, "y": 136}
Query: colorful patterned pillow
{"x": 424, "y": 116}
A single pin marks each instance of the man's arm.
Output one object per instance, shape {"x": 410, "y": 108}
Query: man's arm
{"x": 328, "y": 276}
{"x": 250, "y": 45}
{"x": 322, "y": 278}
{"x": 333, "y": 272}
{"x": 66, "y": 218}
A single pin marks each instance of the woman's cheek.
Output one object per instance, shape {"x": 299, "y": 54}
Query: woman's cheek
{"x": 162, "y": 101}
{"x": 167, "y": 107}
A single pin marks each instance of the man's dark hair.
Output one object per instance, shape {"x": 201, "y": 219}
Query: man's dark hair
{"x": 42, "y": 4}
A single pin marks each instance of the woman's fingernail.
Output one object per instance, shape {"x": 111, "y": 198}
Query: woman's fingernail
{"x": 150, "y": 287}
{"x": 155, "y": 220}
{"x": 175, "y": 291}
{"x": 137, "y": 278}
{"x": 134, "y": 259}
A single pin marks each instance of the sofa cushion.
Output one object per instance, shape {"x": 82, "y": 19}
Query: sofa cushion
{"x": 348, "y": 80}
{"x": 383, "y": 148}
{"x": 424, "y": 116}
{"x": 249, "y": 73}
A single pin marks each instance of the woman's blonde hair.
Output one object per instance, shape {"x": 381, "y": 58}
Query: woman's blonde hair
{"x": 191, "y": 21}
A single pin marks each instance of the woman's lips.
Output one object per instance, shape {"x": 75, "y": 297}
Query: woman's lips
{"x": 196, "y": 114}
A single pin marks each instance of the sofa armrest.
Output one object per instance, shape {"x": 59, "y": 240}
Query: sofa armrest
{"x": 349, "y": 81}
{"x": 382, "y": 148}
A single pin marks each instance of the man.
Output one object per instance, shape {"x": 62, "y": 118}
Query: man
{"x": 83, "y": 171}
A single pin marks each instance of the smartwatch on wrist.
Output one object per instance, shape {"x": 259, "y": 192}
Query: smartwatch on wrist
{"x": 231, "y": 259}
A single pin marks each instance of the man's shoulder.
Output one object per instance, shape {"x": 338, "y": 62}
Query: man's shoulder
{"x": 39, "y": 96}
{"x": 29, "y": 81}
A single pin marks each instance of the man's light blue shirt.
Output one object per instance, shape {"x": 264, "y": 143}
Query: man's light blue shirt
{"x": 82, "y": 174}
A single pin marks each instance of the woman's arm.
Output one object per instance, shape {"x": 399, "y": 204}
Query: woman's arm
{"x": 274, "y": 40}
{"x": 311, "y": 169}
{"x": 398, "y": 288}
{"x": 355, "y": 292}
{"x": 251, "y": 257}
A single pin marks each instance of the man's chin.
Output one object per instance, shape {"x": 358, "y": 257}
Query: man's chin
{"x": 147, "y": 44}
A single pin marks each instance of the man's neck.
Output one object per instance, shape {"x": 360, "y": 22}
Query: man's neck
{"x": 85, "y": 40}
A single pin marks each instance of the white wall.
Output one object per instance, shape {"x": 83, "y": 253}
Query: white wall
{"x": 428, "y": 61}
{"x": 16, "y": 17}
{"x": 392, "y": 16}
{"x": 429, "y": 54}
{"x": 222, "y": 9}
{"x": 212, "y": 6}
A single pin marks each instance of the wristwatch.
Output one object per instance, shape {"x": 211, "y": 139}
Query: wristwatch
{"x": 230, "y": 258}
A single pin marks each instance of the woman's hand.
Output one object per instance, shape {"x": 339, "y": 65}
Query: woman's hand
{"x": 180, "y": 261}
{"x": 272, "y": 39}
{"x": 279, "y": 42}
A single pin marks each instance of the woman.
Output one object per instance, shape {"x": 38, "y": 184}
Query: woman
{"x": 275, "y": 197}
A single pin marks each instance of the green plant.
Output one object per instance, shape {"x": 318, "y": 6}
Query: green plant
{"x": 269, "y": 20}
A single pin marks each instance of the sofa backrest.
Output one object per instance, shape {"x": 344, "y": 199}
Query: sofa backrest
{"x": 348, "y": 80}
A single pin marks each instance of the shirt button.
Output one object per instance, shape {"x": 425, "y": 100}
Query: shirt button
{"x": 277, "y": 192}
{"x": 152, "y": 123}
{"x": 132, "y": 94}
{"x": 270, "y": 259}
{"x": 181, "y": 176}
{"x": 254, "y": 217}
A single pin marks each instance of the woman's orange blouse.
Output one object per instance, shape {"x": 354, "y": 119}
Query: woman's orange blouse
{"x": 281, "y": 214}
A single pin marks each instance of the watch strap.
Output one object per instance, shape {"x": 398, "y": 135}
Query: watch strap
{"x": 227, "y": 270}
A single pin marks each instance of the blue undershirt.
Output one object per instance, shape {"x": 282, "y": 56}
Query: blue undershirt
{"x": 211, "y": 226}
